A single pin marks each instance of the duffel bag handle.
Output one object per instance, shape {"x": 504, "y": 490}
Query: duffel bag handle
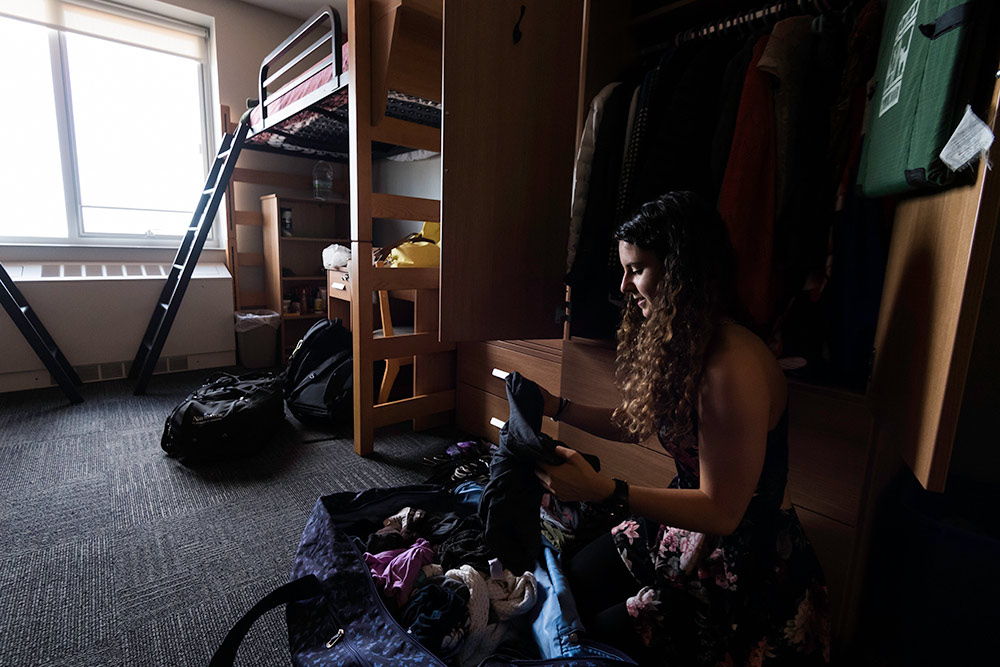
{"x": 294, "y": 591}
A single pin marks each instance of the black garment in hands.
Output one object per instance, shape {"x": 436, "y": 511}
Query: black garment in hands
{"x": 510, "y": 502}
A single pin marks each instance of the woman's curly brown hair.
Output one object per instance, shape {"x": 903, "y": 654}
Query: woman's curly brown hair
{"x": 660, "y": 359}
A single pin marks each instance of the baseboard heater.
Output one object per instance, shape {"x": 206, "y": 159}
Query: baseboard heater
{"x": 97, "y": 313}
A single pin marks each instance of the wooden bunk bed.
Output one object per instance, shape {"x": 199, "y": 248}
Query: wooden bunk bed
{"x": 511, "y": 88}
{"x": 324, "y": 98}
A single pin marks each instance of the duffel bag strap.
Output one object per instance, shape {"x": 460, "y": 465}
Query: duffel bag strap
{"x": 299, "y": 589}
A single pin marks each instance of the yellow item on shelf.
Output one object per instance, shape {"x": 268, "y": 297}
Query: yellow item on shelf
{"x": 420, "y": 249}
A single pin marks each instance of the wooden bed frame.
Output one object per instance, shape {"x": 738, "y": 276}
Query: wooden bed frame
{"x": 303, "y": 103}
{"x": 393, "y": 45}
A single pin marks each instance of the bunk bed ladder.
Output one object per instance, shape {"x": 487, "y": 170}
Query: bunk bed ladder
{"x": 186, "y": 259}
{"x": 38, "y": 337}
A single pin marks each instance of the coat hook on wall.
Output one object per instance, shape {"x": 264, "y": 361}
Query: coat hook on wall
{"x": 517, "y": 27}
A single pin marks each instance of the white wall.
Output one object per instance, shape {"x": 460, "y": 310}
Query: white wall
{"x": 421, "y": 178}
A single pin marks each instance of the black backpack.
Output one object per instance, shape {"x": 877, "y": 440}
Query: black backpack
{"x": 318, "y": 380}
{"x": 227, "y": 416}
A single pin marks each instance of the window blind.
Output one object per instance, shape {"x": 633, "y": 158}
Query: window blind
{"x": 115, "y": 22}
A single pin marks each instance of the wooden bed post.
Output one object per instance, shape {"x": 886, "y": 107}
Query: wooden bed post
{"x": 434, "y": 367}
{"x": 359, "y": 122}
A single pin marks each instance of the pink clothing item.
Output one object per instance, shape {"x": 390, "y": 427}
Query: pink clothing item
{"x": 396, "y": 571}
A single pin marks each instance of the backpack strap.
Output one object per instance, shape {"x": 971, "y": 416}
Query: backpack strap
{"x": 319, "y": 370}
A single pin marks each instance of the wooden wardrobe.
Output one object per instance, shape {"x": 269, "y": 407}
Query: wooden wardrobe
{"x": 505, "y": 210}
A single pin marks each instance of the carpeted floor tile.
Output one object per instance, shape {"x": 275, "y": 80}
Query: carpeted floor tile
{"x": 42, "y": 516}
{"x": 43, "y": 464}
{"x": 57, "y": 601}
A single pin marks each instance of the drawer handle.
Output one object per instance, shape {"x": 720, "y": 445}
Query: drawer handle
{"x": 497, "y": 373}
{"x": 340, "y": 286}
{"x": 496, "y": 422}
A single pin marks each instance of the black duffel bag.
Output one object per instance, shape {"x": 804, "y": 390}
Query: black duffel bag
{"x": 227, "y": 416}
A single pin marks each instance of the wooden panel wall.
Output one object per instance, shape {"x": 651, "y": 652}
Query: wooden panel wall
{"x": 933, "y": 287}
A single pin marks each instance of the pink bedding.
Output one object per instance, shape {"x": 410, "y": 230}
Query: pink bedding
{"x": 316, "y": 77}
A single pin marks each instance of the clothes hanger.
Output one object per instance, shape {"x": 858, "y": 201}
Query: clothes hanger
{"x": 765, "y": 25}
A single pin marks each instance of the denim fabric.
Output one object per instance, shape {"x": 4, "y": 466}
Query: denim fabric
{"x": 556, "y": 624}
{"x": 467, "y": 496}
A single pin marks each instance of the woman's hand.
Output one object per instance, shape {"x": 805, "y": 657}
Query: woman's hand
{"x": 575, "y": 479}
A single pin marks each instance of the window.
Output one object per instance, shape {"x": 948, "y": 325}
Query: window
{"x": 104, "y": 123}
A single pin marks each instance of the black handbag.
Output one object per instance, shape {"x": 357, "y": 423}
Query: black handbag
{"x": 229, "y": 415}
{"x": 337, "y": 618}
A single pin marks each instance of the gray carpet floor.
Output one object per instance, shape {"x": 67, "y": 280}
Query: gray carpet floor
{"x": 114, "y": 554}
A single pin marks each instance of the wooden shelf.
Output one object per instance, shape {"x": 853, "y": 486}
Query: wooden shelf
{"x": 316, "y": 223}
{"x": 312, "y": 239}
{"x": 311, "y": 200}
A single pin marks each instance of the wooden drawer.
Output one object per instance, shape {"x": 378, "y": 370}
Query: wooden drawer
{"x": 534, "y": 360}
{"x": 338, "y": 299}
{"x": 588, "y": 375}
{"x": 481, "y": 413}
{"x": 338, "y": 284}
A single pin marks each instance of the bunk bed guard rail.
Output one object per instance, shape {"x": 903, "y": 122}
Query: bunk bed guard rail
{"x": 334, "y": 38}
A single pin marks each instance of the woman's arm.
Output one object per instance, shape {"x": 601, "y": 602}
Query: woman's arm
{"x": 590, "y": 418}
{"x": 734, "y": 406}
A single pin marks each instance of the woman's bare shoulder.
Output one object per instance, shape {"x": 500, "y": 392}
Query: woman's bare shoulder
{"x": 738, "y": 360}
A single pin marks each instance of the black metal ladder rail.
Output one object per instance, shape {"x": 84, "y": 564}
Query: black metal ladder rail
{"x": 186, "y": 259}
{"x": 38, "y": 337}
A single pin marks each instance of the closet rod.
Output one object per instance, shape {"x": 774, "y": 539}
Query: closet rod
{"x": 747, "y": 19}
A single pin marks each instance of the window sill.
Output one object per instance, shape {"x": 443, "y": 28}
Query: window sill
{"x": 55, "y": 252}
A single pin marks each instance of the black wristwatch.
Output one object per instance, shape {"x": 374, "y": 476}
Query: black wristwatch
{"x": 617, "y": 503}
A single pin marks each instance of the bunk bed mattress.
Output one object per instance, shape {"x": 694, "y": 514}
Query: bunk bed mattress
{"x": 321, "y": 129}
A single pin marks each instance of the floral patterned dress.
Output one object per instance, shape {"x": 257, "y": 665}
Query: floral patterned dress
{"x": 754, "y": 597}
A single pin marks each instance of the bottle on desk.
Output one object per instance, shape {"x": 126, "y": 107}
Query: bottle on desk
{"x": 323, "y": 180}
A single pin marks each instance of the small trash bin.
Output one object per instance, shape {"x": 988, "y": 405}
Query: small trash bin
{"x": 257, "y": 337}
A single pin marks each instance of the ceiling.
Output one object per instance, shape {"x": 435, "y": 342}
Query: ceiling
{"x": 301, "y": 9}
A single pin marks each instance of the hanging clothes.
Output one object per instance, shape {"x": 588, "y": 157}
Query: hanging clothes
{"x": 783, "y": 60}
{"x": 676, "y": 111}
{"x": 592, "y": 315}
{"x": 861, "y": 228}
{"x": 582, "y": 169}
{"x": 730, "y": 92}
{"x": 803, "y": 57}
{"x": 680, "y": 118}
{"x": 747, "y": 200}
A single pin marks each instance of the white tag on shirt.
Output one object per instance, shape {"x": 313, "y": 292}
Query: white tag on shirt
{"x": 971, "y": 137}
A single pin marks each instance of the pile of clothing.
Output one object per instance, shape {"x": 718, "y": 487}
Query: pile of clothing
{"x": 446, "y": 587}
